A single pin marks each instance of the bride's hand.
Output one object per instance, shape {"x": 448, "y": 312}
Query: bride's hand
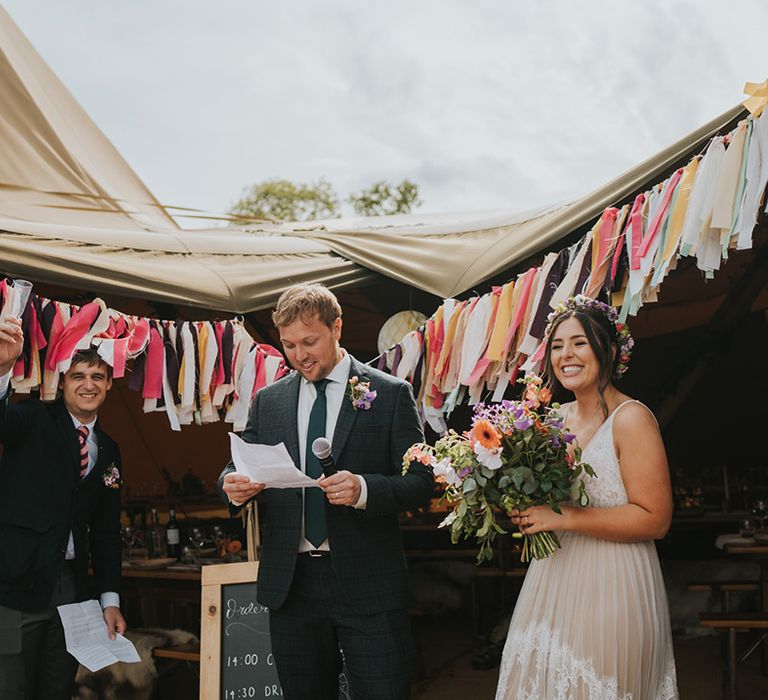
{"x": 540, "y": 519}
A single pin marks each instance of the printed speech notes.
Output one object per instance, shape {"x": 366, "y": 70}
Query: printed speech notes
{"x": 87, "y": 637}
{"x": 270, "y": 465}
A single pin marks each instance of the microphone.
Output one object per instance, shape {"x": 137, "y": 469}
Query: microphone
{"x": 321, "y": 448}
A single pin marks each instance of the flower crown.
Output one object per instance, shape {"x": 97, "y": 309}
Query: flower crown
{"x": 624, "y": 339}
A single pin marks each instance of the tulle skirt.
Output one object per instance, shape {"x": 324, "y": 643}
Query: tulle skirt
{"x": 591, "y": 623}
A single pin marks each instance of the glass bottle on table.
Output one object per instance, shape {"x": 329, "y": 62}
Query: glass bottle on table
{"x": 156, "y": 537}
{"x": 172, "y": 534}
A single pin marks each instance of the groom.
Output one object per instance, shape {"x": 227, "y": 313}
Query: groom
{"x": 332, "y": 569}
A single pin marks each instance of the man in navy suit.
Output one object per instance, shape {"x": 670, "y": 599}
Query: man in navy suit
{"x": 332, "y": 568}
{"x": 59, "y": 509}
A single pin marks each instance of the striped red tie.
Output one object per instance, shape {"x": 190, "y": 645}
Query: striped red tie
{"x": 82, "y": 437}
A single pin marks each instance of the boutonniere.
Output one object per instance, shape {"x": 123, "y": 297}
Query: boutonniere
{"x": 361, "y": 394}
{"x": 111, "y": 477}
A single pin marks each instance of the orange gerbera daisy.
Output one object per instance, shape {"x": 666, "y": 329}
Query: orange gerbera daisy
{"x": 484, "y": 433}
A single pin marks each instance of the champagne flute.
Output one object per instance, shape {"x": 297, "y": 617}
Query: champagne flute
{"x": 747, "y": 528}
{"x": 197, "y": 539}
{"x": 19, "y": 296}
{"x": 760, "y": 511}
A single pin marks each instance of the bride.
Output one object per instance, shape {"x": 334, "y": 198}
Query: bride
{"x": 592, "y": 620}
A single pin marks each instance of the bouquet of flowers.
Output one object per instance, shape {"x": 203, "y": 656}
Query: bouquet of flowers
{"x": 516, "y": 455}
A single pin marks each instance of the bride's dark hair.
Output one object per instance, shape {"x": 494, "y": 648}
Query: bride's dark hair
{"x": 601, "y": 336}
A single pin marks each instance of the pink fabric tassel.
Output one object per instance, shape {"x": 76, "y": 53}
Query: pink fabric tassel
{"x": 522, "y": 305}
{"x": 119, "y": 358}
{"x": 636, "y": 222}
{"x": 138, "y": 337}
{"x": 153, "y": 369}
{"x": 656, "y": 225}
{"x": 66, "y": 342}
{"x": 261, "y": 371}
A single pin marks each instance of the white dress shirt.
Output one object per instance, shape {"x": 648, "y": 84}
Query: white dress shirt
{"x": 108, "y": 598}
{"x": 335, "y": 393}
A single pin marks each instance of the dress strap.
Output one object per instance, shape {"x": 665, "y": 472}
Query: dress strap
{"x": 624, "y": 403}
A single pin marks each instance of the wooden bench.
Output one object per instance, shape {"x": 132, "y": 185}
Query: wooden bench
{"x": 733, "y": 622}
{"x": 182, "y": 652}
{"x": 724, "y": 588}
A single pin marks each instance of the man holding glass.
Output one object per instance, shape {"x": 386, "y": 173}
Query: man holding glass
{"x": 59, "y": 510}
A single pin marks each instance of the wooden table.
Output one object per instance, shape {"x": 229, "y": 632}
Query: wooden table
{"x": 760, "y": 553}
{"x": 153, "y": 585}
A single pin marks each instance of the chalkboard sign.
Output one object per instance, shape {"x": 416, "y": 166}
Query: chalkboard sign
{"x": 247, "y": 667}
{"x": 236, "y": 660}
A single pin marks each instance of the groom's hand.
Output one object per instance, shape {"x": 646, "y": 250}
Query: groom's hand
{"x": 239, "y": 488}
{"x": 341, "y": 488}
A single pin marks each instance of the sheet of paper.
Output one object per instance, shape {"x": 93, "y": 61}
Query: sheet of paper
{"x": 88, "y": 640}
{"x": 267, "y": 464}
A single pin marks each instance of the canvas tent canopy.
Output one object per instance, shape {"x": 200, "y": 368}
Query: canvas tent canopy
{"x": 73, "y": 213}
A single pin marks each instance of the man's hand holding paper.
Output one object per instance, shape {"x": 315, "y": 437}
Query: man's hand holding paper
{"x": 240, "y": 489}
{"x": 259, "y": 467}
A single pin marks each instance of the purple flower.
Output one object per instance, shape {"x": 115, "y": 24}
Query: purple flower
{"x": 569, "y": 438}
{"x": 556, "y": 442}
{"x": 523, "y": 423}
{"x": 361, "y": 394}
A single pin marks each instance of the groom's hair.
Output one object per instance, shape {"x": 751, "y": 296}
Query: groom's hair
{"x": 305, "y": 301}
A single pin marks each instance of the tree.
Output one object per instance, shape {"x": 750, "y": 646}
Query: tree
{"x": 381, "y": 199}
{"x": 283, "y": 200}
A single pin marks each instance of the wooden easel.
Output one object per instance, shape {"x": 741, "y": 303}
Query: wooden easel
{"x": 214, "y": 577}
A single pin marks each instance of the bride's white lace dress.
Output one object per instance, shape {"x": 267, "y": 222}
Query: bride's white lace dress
{"x": 592, "y": 620}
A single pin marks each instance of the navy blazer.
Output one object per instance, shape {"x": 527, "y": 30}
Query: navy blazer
{"x": 366, "y": 545}
{"x": 43, "y": 499}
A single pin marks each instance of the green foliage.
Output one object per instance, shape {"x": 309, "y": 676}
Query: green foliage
{"x": 516, "y": 455}
{"x": 381, "y": 199}
{"x": 282, "y": 200}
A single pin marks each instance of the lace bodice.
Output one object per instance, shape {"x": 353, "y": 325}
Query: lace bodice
{"x": 607, "y": 488}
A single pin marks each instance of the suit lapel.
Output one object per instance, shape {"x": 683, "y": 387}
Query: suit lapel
{"x": 291, "y": 408}
{"x": 68, "y": 433}
{"x": 347, "y": 414}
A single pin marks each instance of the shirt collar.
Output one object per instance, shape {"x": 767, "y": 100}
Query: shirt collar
{"x": 87, "y": 425}
{"x": 340, "y": 373}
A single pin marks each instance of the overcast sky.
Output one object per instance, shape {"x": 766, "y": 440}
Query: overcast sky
{"x": 485, "y": 104}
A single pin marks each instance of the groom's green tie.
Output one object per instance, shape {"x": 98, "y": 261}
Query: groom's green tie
{"x": 314, "y": 499}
